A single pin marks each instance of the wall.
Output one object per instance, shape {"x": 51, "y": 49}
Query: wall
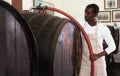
{"x": 9, "y": 1}
{"x": 76, "y": 8}
{"x": 27, "y": 4}
{"x": 73, "y": 7}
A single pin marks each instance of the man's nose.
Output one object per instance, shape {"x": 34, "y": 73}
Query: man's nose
{"x": 86, "y": 14}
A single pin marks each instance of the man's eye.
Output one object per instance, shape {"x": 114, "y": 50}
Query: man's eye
{"x": 87, "y": 12}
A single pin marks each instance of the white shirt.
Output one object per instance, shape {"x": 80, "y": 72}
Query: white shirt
{"x": 103, "y": 32}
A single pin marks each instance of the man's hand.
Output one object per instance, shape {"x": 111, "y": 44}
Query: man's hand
{"x": 94, "y": 57}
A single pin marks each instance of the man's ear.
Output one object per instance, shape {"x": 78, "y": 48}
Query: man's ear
{"x": 96, "y": 14}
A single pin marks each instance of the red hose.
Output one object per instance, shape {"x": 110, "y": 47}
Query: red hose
{"x": 83, "y": 31}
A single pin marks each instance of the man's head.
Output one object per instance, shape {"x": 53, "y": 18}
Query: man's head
{"x": 94, "y": 7}
{"x": 91, "y": 12}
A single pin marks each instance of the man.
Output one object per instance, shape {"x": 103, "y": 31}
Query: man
{"x": 96, "y": 32}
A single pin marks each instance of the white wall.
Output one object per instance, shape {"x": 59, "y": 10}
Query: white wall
{"x": 27, "y": 4}
{"x": 9, "y": 1}
{"x": 73, "y": 7}
{"x": 76, "y": 7}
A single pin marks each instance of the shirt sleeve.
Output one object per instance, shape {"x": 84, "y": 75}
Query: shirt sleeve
{"x": 109, "y": 40}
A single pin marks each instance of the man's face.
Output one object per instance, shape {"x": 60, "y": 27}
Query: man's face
{"x": 89, "y": 14}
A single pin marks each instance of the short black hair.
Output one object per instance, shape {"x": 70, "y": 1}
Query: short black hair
{"x": 94, "y": 7}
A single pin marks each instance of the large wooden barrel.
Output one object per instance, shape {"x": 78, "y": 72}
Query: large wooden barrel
{"x": 58, "y": 41}
{"x": 18, "y": 51}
